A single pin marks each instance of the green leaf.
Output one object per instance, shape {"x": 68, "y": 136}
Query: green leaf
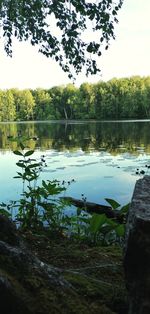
{"x": 17, "y": 177}
{"x": 120, "y": 230}
{"x": 4, "y": 212}
{"x": 125, "y": 209}
{"x": 111, "y": 223}
{"x": 34, "y": 165}
{"x": 79, "y": 210}
{"x": 52, "y": 188}
{"x": 44, "y": 184}
{"x": 17, "y": 152}
{"x": 3, "y": 204}
{"x": 20, "y": 174}
{"x": 106, "y": 229}
{"x": 12, "y": 139}
{"x": 85, "y": 220}
{"x": 113, "y": 203}
{"x": 96, "y": 222}
{"x": 20, "y": 164}
{"x": 21, "y": 146}
{"x": 29, "y": 153}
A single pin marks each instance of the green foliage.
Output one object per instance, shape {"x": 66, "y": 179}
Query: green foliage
{"x": 58, "y": 28}
{"x": 96, "y": 229}
{"x": 42, "y": 207}
{"x": 24, "y": 103}
{"x": 124, "y": 98}
{"x": 113, "y": 203}
{"x": 124, "y": 209}
{"x": 7, "y": 106}
{"x": 43, "y": 109}
{"x": 4, "y": 212}
{"x": 37, "y": 204}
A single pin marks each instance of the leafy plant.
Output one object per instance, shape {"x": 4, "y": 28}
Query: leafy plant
{"x": 38, "y": 205}
{"x": 3, "y": 211}
{"x": 123, "y": 210}
{"x": 114, "y": 204}
{"x": 98, "y": 228}
{"x": 41, "y": 206}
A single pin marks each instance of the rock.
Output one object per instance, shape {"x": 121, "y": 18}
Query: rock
{"x": 28, "y": 285}
{"x": 137, "y": 249}
{"x": 8, "y": 232}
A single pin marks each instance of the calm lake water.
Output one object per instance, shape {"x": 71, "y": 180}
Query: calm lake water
{"x": 102, "y": 157}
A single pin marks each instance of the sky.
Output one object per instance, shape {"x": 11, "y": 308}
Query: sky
{"x": 128, "y": 54}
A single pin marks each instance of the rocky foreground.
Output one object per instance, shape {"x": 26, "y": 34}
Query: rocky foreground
{"x": 41, "y": 275}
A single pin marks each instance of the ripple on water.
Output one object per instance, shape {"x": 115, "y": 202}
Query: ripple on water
{"x": 50, "y": 170}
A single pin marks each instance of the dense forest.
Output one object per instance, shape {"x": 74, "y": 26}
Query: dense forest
{"x": 125, "y": 98}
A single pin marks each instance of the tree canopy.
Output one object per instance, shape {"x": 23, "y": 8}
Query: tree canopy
{"x": 59, "y": 28}
{"x": 124, "y": 98}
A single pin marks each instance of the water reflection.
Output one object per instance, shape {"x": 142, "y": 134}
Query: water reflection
{"x": 115, "y": 138}
{"x": 102, "y": 157}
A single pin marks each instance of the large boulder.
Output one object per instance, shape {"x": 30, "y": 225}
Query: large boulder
{"x": 137, "y": 249}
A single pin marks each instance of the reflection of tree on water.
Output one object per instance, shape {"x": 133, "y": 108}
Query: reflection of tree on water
{"x": 14, "y": 130}
{"x": 111, "y": 136}
{"x": 7, "y": 130}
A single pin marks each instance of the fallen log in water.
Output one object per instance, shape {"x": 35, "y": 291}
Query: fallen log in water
{"x": 96, "y": 208}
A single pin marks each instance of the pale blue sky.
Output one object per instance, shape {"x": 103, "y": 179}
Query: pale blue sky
{"x": 128, "y": 55}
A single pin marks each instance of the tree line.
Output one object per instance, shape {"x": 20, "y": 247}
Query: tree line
{"x": 125, "y": 98}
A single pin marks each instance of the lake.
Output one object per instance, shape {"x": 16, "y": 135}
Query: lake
{"x": 102, "y": 157}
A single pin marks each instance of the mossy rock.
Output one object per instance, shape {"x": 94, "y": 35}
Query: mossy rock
{"x": 100, "y": 291}
{"x": 82, "y": 279}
